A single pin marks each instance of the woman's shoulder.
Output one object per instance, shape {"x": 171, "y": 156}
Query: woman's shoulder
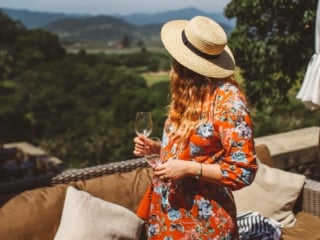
{"x": 226, "y": 88}
{"x": 229, "y": 93}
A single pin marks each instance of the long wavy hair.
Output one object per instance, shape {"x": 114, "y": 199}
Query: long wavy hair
{"x": 188, "y": 93}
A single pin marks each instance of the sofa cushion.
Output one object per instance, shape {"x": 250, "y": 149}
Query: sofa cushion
{"x": 43, "y": 206}
{"x": 85, "y": 217}
{"x": 33, "y": 214}
{"x": 264, "y": 155}
{"x": 273, "y": 194}
{"x": 306, "y": 227}
{"x": 125, "y": 189}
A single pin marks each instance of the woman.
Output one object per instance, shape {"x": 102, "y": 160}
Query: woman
{"x": 207, "y": 146}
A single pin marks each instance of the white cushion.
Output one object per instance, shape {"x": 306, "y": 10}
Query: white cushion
{"x": 85, "y": 217}
{"x": 273, "y": 194}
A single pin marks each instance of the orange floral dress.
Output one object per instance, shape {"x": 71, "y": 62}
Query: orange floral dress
{"x": 195, "y": 209}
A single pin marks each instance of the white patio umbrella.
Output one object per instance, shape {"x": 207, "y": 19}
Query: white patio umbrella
{"x": 309, "y": 92}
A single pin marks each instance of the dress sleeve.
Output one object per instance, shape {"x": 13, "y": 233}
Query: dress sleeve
{"x": 233, "y": 123}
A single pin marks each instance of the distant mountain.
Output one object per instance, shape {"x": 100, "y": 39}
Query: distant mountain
{"x": 162, "y": 17}
{"x": 111, "y": 29}
{"x": 107, "y": 29}
{"x": 34, "y": 19}
{"x": 100, "y": 28}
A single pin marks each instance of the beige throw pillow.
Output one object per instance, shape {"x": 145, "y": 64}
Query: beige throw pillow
{"x": 273, "y": 194}
{"x": 85, "y": 217}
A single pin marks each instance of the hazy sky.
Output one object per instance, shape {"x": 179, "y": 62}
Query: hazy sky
{"x": 113, "y": 6}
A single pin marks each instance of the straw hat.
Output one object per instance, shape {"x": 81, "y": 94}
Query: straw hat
{"x": 200, "y": 45}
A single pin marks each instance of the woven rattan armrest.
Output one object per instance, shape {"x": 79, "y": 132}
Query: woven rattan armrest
{"x": 311, "y": 197}
{"x": 99, "y": 170}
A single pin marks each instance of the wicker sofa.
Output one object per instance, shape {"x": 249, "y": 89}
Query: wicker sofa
{"x": 36, "y": 213}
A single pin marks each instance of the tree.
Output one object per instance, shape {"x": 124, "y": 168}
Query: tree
{"x": 273, "y": 42}
{"x": 125, "y": 41}
{"x": 77, "y": 107}
{"x": 9, "y": 30}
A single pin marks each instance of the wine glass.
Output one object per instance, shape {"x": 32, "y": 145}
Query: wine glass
{"x": 143, "y": 127}
{"x": 143, "y": 124}
{"x": 154, "y": 158}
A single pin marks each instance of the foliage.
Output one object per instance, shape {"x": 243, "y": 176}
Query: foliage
{"x": 284, "y": 117}
{"x": 273, "y": 42}
{"x": 78, "y": 107}
{"x": 81, "y": 107}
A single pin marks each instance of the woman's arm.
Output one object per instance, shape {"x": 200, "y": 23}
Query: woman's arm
{"x": 235, "y": 164}
{"x": 175, "y": 169}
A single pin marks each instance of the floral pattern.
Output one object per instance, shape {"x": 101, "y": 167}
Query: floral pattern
{"x": 194, "y": 209}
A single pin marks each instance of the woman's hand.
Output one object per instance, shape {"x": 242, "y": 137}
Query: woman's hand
{"x": 173, "y": 170}
{"x": 146, "y": 146}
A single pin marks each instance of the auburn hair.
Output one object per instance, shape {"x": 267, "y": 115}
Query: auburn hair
{"x": 188, "y": 93}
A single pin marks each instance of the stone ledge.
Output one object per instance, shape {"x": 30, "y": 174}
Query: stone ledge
{"x": 294, "y": 148}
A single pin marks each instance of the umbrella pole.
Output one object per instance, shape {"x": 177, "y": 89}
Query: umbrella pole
{"x": 315, "y": 175}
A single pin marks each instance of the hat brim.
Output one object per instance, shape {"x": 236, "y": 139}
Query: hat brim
{"x": 220, "y": 67}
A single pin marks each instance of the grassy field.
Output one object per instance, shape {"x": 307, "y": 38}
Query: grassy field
{"x": 155, "y": 77}
{"x": 99, "y": 48}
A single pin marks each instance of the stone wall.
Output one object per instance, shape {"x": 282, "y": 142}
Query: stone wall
{"x": 296, "y": 150}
